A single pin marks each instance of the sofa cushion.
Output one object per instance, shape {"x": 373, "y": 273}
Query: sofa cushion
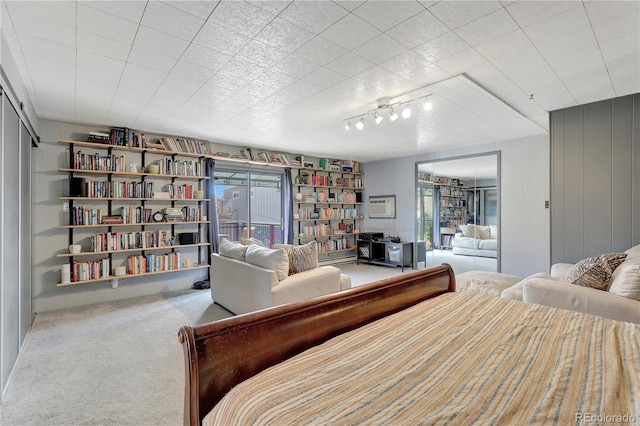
{"x": 483, "y": 232}
{"x": 493, "y": 232}
{"x": 274, "y": 259}
{"x": 594, "y": 272}
{"x": 465, "y": 242}
{"x": 232, "y": 249}
{"x": 468, "y": 230}
{"x": 488, "y": 245}
{"x": 249, "y": 241}
{"x": 301, "y": 258}
{"x": 626, "y": 279}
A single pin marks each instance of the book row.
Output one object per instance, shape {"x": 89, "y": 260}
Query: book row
{"x": 333, "y": 245}
{"x": 452, "y": 192}
{"x": 325, "y": 230}
{"x": 81, "y": 215}
{"x": 170, "y": 166}
{"x": 113, "y": 189}
{"x": 90, "y": 270}
{"x": 97, "y": 162}
{"x": 153, "y": 263}
{"x": 110, "y": 241}
{"x": 453, "y": 202}
{"x": 191, "y": 146}
{"x": 327, "y": 213}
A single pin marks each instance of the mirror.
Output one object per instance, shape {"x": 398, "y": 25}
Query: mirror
{"x": 458, "y": 213}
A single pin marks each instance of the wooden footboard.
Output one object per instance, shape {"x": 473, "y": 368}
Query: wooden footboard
{"x": 224, "y": 353}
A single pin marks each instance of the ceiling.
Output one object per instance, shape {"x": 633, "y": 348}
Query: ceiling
{"x": 283, "y": 75}
{"x": 480, "y": 167}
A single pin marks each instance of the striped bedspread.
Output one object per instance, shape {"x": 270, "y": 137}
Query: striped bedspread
{"x": 459, "y": 359}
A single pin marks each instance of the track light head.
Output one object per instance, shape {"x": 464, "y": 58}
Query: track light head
{"x": 428, "y": 106}
{"x": 406, "y": 112}
{"x": 348, "y": 125}
{"x": 377, "y": 118}
{"x": 360, "y": 124}
{"x": 393, "y": 116}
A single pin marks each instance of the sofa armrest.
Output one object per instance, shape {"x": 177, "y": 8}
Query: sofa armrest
{"x": 559, "y": 269}
{"x": 581, "y": 299}
{"x": 306, "y": 285}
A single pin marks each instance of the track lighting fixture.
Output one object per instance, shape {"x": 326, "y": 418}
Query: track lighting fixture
{"x": 385, "y": 103}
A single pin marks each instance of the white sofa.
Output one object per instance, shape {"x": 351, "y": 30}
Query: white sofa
{"x": 242, "y": 287}
{"x": 476, "y": 240}
{"x": 547, "y": 289}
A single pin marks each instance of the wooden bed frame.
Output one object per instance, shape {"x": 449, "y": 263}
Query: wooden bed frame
{"x": 221, "y": 354}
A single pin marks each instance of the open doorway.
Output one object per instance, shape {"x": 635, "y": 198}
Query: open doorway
{"x": 458, "y": 212}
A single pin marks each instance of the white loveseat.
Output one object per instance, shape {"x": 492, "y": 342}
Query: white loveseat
{"x": 621, "y": 302}
{"x": 243, "y": 287}
{"x": 476, "y": 240}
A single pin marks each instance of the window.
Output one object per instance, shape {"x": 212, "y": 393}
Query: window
{"x": 249, "y": 203}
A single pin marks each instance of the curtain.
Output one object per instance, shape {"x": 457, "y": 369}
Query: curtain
{"x": 212, "y": 210}
{"x": 287, "y": 207}
{"x": 437, "y": 243}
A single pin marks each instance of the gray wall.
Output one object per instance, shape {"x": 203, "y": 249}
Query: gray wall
{"x": 595, "y": 178}
{"x": 524, "y": 234}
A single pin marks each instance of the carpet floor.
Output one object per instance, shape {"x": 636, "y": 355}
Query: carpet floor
{"x": 120, "y": 363}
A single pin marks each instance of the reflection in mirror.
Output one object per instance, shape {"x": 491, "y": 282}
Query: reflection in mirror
{"x": 457, "y": 213}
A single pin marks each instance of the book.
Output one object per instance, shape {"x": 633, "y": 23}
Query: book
{"x": 263, "y": 156}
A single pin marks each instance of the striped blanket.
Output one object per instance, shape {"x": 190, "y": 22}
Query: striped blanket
{"x": 460, "y": 358}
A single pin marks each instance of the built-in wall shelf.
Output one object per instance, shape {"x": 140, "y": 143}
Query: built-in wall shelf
{"x": 122, "y": 277}
{"x": 93, "y": 253}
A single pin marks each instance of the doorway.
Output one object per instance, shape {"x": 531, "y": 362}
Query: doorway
{"x": 458, "y": 212}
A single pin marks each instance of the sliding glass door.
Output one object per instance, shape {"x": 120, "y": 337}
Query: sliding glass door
{"x": 249, "y": 204}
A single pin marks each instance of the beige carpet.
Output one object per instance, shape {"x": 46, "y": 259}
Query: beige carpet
{"x": 117, "y": 363}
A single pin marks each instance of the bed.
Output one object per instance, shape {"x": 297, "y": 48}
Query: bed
{"x": 409, "y": 350}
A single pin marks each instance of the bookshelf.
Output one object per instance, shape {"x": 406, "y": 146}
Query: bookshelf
{"x": 133, "y": 213}
{"x": 328, "y": 206}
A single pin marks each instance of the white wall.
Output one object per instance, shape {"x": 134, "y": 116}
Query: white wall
{"x": 524, "y": 186}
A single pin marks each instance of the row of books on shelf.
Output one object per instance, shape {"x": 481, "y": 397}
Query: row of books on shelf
{"x": 451, "y": 212}
{"x": 113, "y": 189}
{"x": 327, "y": 213}
{"x": 81, "y": 215}
{"x": 98, "y": 162}
{"x": 120, "y": 136}
{"x": 184, "y": 145}
{"x": 441, "y": 180}
{"x": 324, "y": 197}
{"x": 453, "y": 202}
{"x": 90, "y": 270}
{"x": 170, "y": 166}
{"x": 339, "y": 165}
{"x": 452, "y": 192}
{"x": 333, "y": 245}
{"x": 154, "y": 263}
{"x": 265, "y": 157}
{"x": 324, "y": 230}
{"x": 111, "y": 241}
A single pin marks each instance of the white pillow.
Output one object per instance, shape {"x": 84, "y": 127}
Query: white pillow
{"x": 493, "y": 231}
{"x": 633, "y": 252}
{"x": 249, "y": 241}
{"x": 467, "y": 230}
{"x": 232, "y": 249}
{"x": 274, "y": 259}
{"x": 626, "y": 279}
{"x": 483, "y": 232}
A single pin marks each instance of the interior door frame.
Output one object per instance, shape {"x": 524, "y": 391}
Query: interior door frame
{"x": 498, "y": 155}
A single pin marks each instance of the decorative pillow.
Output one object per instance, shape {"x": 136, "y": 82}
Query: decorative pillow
{"x": 594, "y": 272}
{"x": 467, "y": 230}
{"x": 483, "y": 232}
{"x": 633, "y": 251}
{"x": 274, "y": 259}
{"x": 232, "y": 249}
{"x": 626, "y": 279}
{"x": 301, "y": 258}
{"x": 249, "y": 241}
{"x": 493, "y": 231}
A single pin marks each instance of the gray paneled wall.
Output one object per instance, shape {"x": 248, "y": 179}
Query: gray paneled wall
{"x": 595, "y": 186}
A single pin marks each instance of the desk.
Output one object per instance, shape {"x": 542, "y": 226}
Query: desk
{"x": 385, "y": 253}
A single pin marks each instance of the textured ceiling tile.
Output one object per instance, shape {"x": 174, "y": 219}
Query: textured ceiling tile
{"x": 324, "y": 77}
{"x": 101, "y": 23}
{"x": 600, "y": 11}
{"x": 173, "y": 91}
{"x": 559, "y": 26}
{"x": 618, "y": 26}
{"x": 487, "y": 28}
{"x": 260, "y": 54}
{"x": 212, "y": 35}
{"x": 147, "y": 58}
{"x": 350, "y": 32}
{"x": 241, "y": 17}
{"x": 418, "y": 29}
{"x": 405, "y": 63}
{"x": 526, "y": 13}
{"x": 295, "y": 66}
{"x": 442, "y": 47}
{"x": 170, "y": 20}
{"x": 160, "y": 42}
{"x": 315, "y": 16}
{"x": 92, "y": 79}
{"x": 583, "y": 38}
{"x": 205, "y": 57}
{"x": 103, "y": 46}
{"x": 621, "y": 47}
{"x": 272, "y": 6}
{"x": 193, "y": 72}
{"x": 302, "y": 88}
{"x": 380, "y": 49}
{"x": 201, "y": 9}
{"x": 38, "y": 27}
{"x": 52, "y": 65}
{"x": 38, "y": 46}
{"x": 320, "y": 51}
{"x": 457, "y": 13}
{"x": 284, "y": 35}
{"x": 62, "y": 12}
{"x": 349, "y": 5}
{"x": 242, "y": 70}
{"x": 129, "y": 10}
{"x": 460, "y": 62}
{"x": 143, "y": 74}
{"x": 349, "y": 64}
{"x": 374, "y": 76}
{"x": 275, "y": 79}
{"x": 428, "y": 75}
{"x": 504, "y": 45}
{"x": 101, "y": 63}
{"x": 387, "y": 14}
